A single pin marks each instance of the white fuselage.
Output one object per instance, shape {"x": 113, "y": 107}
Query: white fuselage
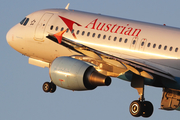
{"x": 150, "y": 44}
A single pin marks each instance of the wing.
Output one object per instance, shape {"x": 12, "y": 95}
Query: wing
{"x": 110, "y": 65}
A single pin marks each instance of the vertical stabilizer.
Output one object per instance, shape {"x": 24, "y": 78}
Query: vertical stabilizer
{"x": 67, "y": 7}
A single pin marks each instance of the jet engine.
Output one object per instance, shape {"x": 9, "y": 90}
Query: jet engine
{"x": 73, "y": 74}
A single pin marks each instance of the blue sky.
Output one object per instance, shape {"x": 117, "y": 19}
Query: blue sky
{"x": 21, "y": 94}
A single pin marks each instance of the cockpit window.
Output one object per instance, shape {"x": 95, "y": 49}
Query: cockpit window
{"x": 24, "y": 21}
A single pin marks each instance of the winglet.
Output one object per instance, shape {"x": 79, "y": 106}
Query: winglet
{"x": 67, "y": 6}
{"x": 59, "y": 36}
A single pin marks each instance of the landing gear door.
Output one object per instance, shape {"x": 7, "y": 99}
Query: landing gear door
{"x": 40, "y": 28}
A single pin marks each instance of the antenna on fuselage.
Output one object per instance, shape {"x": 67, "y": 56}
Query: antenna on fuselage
{"x": 67, "y": 6}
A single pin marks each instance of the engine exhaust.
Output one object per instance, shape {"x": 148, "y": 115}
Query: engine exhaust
{"x": 92, "y": 78}
{"x": 98, "y": 79}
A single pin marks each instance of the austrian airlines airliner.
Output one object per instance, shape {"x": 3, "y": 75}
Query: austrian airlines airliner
{"x": 83, "y": 50}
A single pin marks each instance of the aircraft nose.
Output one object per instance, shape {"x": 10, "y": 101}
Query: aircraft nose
{"x": 9, "y": 37}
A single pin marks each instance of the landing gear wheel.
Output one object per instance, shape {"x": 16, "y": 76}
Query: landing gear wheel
{"x": 136, "y": 108}
{"x": 53, "y": 87}
{"x": 46, "y": 87}
{"x": 148, "y": 109}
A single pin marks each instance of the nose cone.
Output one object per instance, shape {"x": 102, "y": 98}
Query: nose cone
{"x": 12, "y": 38}
{"x": 9, "y": 37}
{"x": 15, "y": 39}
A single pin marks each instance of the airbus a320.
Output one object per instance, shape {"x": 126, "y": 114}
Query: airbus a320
{"x": 84, "y": 50}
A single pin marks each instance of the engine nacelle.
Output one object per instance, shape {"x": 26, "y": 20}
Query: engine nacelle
{"x": 73, "y": 74}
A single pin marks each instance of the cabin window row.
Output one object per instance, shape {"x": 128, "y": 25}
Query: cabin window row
{"x": 154, "y": 46}
{"x": 94, "y": 35}
{"x": 161, "y": 47}
{"x": 115, "y": 38}
{"x": 89, "y": 34}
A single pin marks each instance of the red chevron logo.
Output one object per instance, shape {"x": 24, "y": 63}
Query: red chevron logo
{"x": 69, "y": 24}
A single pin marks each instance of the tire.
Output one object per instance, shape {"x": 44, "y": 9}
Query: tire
{"x": 148, "y": 109}
{"x": 46, "y": 87}
{"x": 53, "y": 87}
{"x": 136, "y": 108}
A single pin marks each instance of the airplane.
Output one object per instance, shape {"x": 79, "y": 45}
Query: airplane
{"x": 84, "y": 50}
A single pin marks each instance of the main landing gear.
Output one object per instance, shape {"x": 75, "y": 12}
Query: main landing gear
{"x": 140, "y": 107}
{"x": 49, "y": 87}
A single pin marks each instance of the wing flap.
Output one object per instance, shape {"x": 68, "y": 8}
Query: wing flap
{"x": 89, "y": 53}
{"x": 146, "y": 75}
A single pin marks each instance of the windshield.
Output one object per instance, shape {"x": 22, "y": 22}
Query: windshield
{"x": 24, "y": 21}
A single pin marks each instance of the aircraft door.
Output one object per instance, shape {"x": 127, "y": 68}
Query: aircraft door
{"x": 133, "y": 43}
{"x": 40, "y": 28}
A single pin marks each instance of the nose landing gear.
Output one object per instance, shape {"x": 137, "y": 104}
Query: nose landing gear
{"x": 49, "y": 87}
{"x": 140, "y": 107}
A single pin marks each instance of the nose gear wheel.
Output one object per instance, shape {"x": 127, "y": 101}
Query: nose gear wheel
{"x": 49, "y": 87}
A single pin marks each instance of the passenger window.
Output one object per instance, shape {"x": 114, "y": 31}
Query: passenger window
{"x": 67, "y": 30}
{"x": 149, "y": 44}
{"x": 62, "y": 29}
{"x": 88, "y": 33}
{"x": 51, "y": 27}
{"x": 93, "y": 35}
{"x": 170, "y": 49}
{"x": 115, "y": 38}
{"x": 120, "y": 39}
{"x": 134, "y": 41}
{"x": 109, "y": 38}
{"x": 99, "y": 35}
{"x": 57, "y": 28}
{"x": 176, "y": 49}
{"x": 160, "y": 46}
{"x": 83, "y": 33}
{"x": 154, "y": 45}
{"x": 72, "y": 31}
{"x": 142, "y": 44}
{"x": 104, "y": 37}
{"x": 165, "y": 47}
{"x": 77, "y": 32}
{"x": 125, "y": 41}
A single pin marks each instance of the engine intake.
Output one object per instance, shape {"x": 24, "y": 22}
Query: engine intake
{"x": 73, "y": 74}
